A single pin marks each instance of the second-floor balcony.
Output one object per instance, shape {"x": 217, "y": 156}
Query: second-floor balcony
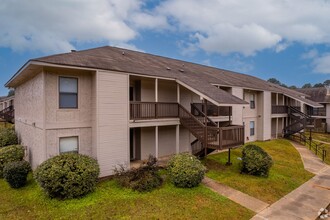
{"x": 212, "y": 110}
{"x": 153, "y": 110}
{"x": 282, "y": 109}
{"x": 316, "y": 111}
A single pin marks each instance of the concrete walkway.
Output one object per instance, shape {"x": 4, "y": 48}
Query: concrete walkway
{"x": 241, "y": 198}
{"x": 305, "y": 201}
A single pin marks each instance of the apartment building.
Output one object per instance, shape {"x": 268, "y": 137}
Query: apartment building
{"x": 322, "y": 96}
{"x": 120, "y": 106}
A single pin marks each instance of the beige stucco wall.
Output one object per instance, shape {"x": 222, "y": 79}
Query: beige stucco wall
{"x": 84, "y": 140}
{"x": 112, "y": 120}
{"x": 64, "y": 118}
{"x": 34, "y": 139}
{"x": 29, "y": 118}
{"x": 68, "y": 122}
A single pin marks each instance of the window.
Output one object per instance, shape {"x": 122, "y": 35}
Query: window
{"x": 251, "y": 128}
{"x": 252, "y": 102}
{"x": 69, "y": 144}
{"x": 68, "y": 88}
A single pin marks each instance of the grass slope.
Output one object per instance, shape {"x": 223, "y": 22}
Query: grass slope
{"x": 325, "y": 137}
{"x": 110, "y": 201}
{"x": 286, "y": 174}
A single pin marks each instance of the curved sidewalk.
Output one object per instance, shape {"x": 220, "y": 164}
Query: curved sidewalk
{"x": 305, "y": 201}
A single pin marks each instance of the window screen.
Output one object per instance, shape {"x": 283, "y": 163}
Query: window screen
{"x": 68, "y": 144}
{"x": 251, "y": 128}
{"x": 68, "y": 88}
{"x": 252, "y": 102}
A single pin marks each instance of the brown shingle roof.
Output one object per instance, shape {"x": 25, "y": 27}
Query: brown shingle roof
{"x": 197, "y": 76}
{"x": 316, "y": 94}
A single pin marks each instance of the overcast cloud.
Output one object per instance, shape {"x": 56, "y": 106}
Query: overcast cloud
{"x": 54, "y": 26}
{"x": 215, "y": 26}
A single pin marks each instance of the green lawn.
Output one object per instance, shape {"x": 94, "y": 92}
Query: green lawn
{"x": 110, "y": 201}
{"x": 5, "y": 125}
{"x": 286, "y": 174}
{"x": 322, "y": 137}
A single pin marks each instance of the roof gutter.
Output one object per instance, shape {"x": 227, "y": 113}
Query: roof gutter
{"x": 17, "y": 73}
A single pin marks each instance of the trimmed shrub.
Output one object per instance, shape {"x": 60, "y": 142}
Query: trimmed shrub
{"x": 8, "y": 137}
{"x": 256, "y": 161}
{"x": 15, "y": 173}
{"x": 10, "y": 154}
{"x": 68, "y": 175}
{"x": 185, "y": 170}
{"x": 142, "y": 179}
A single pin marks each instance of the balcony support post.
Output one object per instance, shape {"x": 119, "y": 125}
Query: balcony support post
{"x": 178, "y": 92}
{"x": 156, "y": 141}
{"x": 177, "y": 139}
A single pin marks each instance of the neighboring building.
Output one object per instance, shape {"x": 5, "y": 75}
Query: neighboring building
{"x": 7, "y": 108}
{"x": 6, "y": 101}
{"x": 322, "y": 96}
{"x": 119, "y": 106}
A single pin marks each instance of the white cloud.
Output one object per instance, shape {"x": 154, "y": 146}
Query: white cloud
{"x": 236, "y": 63}
{"x": 322, "y": 64}
{"x": 281, "y": 47}
{"x": 127, "y": 46}
{"x": 249, "y": 26}
{"x": 310, "y": 54}
{"x": 54, "y": 26}
{"x": 219, "y": 26}
{"x": 248, "y": 39}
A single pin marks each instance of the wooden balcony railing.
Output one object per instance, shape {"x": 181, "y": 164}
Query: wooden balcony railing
{"x": 282, "y": 109}
{"x": 231, "y": 136}
{"x": 316, "y": 111}
{"x": 212, "y": 110}
{"x": 153, "y": 110}
{"x": 279, "y": 109}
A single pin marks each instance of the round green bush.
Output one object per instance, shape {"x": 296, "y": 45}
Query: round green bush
{"x": 8, "y": 137}
{"x": 256, "y": 161}
{"x": 15, "y": 173}
{"x": 10, "y": 154}
{"x": 68, "y": 175}
{"x": 185, "y": 170}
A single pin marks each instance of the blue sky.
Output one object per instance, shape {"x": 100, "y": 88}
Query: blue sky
{"x": 287, "y": 40}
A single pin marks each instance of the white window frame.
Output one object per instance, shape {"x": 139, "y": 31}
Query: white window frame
{"x": 252, "y": 100}
{"x": 69, "y": 93}
{"x": 67, "y": 137}
{"x": 252, "y": 128}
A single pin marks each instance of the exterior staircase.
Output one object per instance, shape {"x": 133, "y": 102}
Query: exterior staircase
{"x": 7, "y": 114}
{"x": 209, "y": 137}
{"x": 299, "y": 121}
